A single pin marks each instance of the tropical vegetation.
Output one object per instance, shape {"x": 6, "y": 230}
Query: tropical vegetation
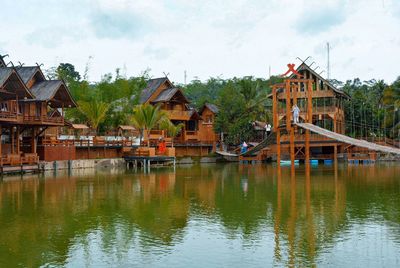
{"x": 372, "y": 111}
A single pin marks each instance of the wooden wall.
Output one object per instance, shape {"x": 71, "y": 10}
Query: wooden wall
{"x": 97, "y": 152}
{"x": 206, "y": 127}
{"x": 53, "y": 153}
{"x": 192, "y": 150}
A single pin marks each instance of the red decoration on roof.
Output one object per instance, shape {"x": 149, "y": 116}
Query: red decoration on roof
{"x": 291, "y": 69}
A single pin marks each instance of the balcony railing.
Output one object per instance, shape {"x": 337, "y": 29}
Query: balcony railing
{"x": 43, "y": 119}
{"x": 178, "y": 115}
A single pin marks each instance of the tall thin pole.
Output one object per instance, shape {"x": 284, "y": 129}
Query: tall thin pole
{"x": 269, "y": 72}
{"x": 328, "y": 67}
{"x": 185, "y": 76}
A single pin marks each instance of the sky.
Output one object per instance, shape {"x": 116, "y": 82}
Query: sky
{"x": 208, "y": 38}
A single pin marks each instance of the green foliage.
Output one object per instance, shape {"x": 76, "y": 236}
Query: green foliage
{"x": 94, "y": 111}
{"x": 172, "y": 129}
{"x": 373, "y": 109}
{"x": 232, "y": 118}
{"x": 145, "y": 117}
{"x": 117, "y": 93}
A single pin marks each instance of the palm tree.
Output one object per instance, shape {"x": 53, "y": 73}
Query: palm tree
{"x": 254, "y": 97}
{"x": 146, "y": 117}
{"x": 172, "y": 130}
{"x": 94, "y": 111}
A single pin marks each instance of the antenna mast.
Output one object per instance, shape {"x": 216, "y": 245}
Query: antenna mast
{"x": 269, "y": 71}
{"x": 328, "y": 65}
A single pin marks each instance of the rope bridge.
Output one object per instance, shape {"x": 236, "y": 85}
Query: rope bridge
{"x": 347, "y": 139}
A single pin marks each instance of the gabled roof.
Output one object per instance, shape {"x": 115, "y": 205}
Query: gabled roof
{"x": 53, "y": 90}
{"x": 152, "y": 86}
{"x": 27, "y": 72}
{"x": 79, "y": 126}
{"x": 10, "y": 79}
{"x": 168, "y": 94}
{"x": 304, "y": 66}
{"x": 212, "y": 107}
{"x": 4, "y": 75}
{"x": 193, "y": 114}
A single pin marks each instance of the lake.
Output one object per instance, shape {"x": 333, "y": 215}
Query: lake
{"x": 216, "y": 215}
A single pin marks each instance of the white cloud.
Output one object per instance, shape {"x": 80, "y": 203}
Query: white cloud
{"x": 207, "y": 38}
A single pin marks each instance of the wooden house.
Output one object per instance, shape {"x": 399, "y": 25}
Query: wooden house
{"x": 161, "y": 91}
{"x": 195, "y": 138}
{"x": 320, "y": 103}
{"x": 29, "y": 104}
{"x": 208, "y": 113}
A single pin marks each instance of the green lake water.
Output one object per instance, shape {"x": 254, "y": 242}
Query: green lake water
{"x": 219, "y": 215}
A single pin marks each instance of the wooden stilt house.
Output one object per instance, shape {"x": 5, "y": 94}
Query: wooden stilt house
{"x": 29, "y": 104}
{"x": 193, "y": 139}
{"x": 320, "y": 103}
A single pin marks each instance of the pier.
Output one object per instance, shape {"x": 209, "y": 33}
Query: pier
{"x": 146, "y": 161}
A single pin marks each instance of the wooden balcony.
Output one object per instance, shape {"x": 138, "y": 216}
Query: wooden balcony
{"x": 40, "y": 120}
{"x": 191, "y": 135}
{"x": 178, "y": 115}
{"x": 8, "y": 111}
{"x": 8, "y": 116}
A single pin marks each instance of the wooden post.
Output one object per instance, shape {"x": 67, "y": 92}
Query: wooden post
{"x": 307, "y": 148}
{"x": 292, "y": 156}
{"x": 278, "y": 147}
{"x": 33, "y": 140}
{"x": 275, "y": 108}
{"x": 335, "y": 154}
{"x": 18, "y": 143}
{"x": 334, "y": 123}
{"x": 12, "y": 139}
{"x": 309, "y": 102}
{"x": 288, "y": 108}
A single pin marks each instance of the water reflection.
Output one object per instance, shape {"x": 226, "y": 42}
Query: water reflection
{"x": 208, "y": 215}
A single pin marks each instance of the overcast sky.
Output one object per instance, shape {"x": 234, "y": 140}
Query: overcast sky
{"x": 206, "y": 38}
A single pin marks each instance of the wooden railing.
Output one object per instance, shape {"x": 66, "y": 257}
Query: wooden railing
{"x": 17, "y": 159}
{"x": 8, "y": 110}
{"x": 86, "y": 143}
{"x": 43, "y": 118}
{"x": 176, "y": 114}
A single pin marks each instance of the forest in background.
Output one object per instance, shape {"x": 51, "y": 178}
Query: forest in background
{"x": 372, "y": 112}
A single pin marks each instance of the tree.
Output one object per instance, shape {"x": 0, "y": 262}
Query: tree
{"x": 146, "y": 117}
{"x": 67, "y": 72}
{"x": 94, "y": 111}
{"x": 172, "y": 130}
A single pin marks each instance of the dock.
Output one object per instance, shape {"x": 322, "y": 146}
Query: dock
{"x": 146, "y": 161}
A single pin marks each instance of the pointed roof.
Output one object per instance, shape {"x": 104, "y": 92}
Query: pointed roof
{"x": 304, "y": 66}
{"x": 152, "y": 86}
{"x": 53, "y": 91}
{"x": 168, "y": 94}
{"x": 212, "y": 107}
{"x": 4, "y": 75}
{"x": 11, "y": 81}
{"x": 27, "y": 73}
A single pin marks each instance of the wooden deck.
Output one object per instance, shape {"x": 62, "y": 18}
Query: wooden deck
{"x": 146, "y": 161}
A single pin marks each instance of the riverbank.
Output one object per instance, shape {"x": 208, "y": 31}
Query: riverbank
{"x": 114, "y": 163}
